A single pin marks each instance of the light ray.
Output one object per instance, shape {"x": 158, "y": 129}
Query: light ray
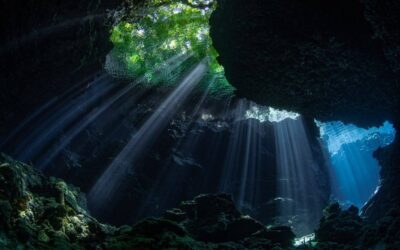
{"x": 49, "y": 105}
{"x": 354, "y": 170}
{"x": 55, "y": 124}
{"x": 82, "y": 124}
{"x": 110, "y": 180}
{"x": 296, "y": 174}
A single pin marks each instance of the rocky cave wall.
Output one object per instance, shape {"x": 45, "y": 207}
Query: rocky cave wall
{"x": 46, "y": 47}
{"x": 318, "y": 58}
{"x": 330, "y": 60}
{"x": 37, "y": 212}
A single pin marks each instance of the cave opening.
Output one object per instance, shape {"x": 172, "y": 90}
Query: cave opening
{"x": 355, "y": 173}
{"x": 167, "y": 39}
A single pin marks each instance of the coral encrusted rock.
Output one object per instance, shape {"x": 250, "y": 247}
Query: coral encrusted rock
{"x": 38, "y": 212}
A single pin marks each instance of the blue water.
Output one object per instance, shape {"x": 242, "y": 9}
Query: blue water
{"x": 354, "y": 170}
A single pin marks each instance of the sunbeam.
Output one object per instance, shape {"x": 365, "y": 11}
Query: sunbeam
{"x": 297, "y": 174}
{"x": 110, "y": 180}
{"x": 355, "y": 172}
{"x": 39, "y": 138}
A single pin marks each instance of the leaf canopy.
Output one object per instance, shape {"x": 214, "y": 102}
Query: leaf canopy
{"x": 168, "y": 29}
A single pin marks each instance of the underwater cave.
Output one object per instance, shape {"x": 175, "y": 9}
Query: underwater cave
{"x": 200, "y": 124}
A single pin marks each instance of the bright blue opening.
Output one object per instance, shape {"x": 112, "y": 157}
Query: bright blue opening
{"x": 355, "y": 172}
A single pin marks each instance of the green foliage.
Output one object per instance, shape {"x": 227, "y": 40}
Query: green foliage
{"x": 167, "y": 29}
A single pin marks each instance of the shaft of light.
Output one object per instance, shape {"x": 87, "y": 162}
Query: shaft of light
{"x": 61, "y": 120}
{"x": 110, "y": 180}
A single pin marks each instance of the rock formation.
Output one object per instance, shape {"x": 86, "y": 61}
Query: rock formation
{"x": 33, "y": 217}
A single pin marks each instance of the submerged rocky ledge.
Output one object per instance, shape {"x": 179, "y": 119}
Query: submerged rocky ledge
{"x": 46, "y": 213}
{"x": 37, "y": 212}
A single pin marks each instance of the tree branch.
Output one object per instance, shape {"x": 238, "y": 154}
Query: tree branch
{"x": 185, "y": 2}
{"x": 198, "y": 6}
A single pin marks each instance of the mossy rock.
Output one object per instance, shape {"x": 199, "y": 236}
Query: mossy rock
{"x": 43, "y": 237}
{"x": 5, "y": 214}
{"x": 281, "y": 235}
{"x": 152, "y": 227}
{"x": 24, "y": 230}
{"x": 47, "y": 224}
